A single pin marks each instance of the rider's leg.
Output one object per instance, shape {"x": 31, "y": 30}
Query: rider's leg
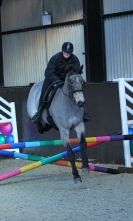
{"x": 37, "y": 117}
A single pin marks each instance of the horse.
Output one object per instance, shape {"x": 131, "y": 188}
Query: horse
{"x": 67, "y": 111}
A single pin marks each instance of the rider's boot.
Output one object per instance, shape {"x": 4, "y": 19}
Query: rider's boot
{"x": 37, "y": 117}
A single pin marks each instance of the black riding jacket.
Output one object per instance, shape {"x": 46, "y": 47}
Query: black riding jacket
{"x": 57, "y": 67}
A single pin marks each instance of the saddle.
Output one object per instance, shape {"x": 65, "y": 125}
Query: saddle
{"x": 49, "y": 95}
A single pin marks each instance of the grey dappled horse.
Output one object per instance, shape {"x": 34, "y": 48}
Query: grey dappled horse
{"x": 67, "y": 110}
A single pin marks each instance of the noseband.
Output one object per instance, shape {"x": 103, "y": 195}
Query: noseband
{"x": 72, "y": 92}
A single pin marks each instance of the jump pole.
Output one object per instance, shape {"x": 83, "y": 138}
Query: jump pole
{"x": 24, "y": 156}
{"x": 91, "y": 166}
{"x": 31, "y": 144}
{"x": 66, "y": 163}
{"x": 37, "y": 164}
{"x": 41, "y": 162}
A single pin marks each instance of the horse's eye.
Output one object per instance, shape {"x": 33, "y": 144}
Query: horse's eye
{"x": 72, "y": 82}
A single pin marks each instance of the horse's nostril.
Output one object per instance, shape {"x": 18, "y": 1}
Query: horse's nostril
{"x": 80, "y": 104}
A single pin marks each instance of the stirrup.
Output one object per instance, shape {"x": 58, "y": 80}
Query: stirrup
{"x": 42, "y": 128}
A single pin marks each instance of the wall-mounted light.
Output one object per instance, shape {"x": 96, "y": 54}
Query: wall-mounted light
{"x": 46, "y": 16}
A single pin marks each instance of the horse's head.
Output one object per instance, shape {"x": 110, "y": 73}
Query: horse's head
{"x": 75, "y": 86}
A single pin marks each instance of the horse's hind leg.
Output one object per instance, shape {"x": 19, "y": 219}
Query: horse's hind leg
{"x": 80, "y": 130}
{"x": 65, "y": 137}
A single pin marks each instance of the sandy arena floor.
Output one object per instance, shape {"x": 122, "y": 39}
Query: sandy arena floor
{"x": 49, "y": 194}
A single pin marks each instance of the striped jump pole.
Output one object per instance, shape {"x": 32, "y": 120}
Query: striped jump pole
{"x": 92, "y": 167}
{"x": 37, "y": 164}
{"x": 66, "y": 163}
{"x": 25, "y": 156}
{"x": 37, "y": 144}
{"x": 42, "y": 162}
{"x": 31, "y": 144}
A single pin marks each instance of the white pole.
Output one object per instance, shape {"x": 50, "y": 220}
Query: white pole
{"x": 14, "y": 122}
{"x": 124, "y": 120}
{"x": 12, "y": 119}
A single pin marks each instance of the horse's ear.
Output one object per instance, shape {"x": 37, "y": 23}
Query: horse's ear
{"x": 81, "y": 69}
{"x": 71, "y": 68}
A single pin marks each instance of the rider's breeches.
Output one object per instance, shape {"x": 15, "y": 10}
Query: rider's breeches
{"x": 46, "y": 83}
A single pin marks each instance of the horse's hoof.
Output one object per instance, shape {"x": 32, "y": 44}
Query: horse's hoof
{"x": 85, "y": 171}
{"x": 77, "y": 180}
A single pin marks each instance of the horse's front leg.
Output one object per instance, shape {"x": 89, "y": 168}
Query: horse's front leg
{"x": 80, "y": 130}
{"x": 65, "y": 137}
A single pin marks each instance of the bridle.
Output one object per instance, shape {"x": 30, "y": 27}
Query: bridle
{"x": 72, "y": 92}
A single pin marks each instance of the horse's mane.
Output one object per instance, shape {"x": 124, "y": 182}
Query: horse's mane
{"x": 72, "y": 70}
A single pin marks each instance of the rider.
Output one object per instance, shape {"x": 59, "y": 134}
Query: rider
{"x": 56, "y": 70}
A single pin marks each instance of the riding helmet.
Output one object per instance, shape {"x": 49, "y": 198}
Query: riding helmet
{"x": 67, "y": 47}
